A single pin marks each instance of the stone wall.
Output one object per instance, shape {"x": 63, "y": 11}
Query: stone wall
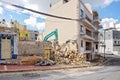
{"x": 32, "y": 48}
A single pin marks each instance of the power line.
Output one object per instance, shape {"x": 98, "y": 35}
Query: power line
{"x": 39, "y": 12}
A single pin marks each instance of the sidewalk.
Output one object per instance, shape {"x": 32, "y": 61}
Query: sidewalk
{"x": 16, "y": 68}
{"x": 22, "y": 68}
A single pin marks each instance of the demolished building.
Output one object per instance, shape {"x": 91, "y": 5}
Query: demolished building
{"x": 83, "y": 28}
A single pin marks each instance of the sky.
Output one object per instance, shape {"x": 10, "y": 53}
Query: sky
{"x": 109, "y": 12}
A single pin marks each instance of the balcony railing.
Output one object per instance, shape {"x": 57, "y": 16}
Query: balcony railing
{"x": 87, "y": 36}
{"x": 95, "y": 37}
{"x": 88, "y": 22}
{"x": 96, "y": 19}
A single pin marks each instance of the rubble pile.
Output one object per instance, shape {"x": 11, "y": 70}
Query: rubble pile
{"x": 70, "y": 57}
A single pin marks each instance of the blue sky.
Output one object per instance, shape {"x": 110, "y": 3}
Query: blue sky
{"x": 108, "y": 11}
{"x": 111, "y": 11}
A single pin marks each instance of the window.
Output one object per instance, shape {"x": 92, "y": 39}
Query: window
{"x": 88, "y": 46}
{"x": 81, "y": 28}
{"x": 36, "y": 35}
{"x": 81, "y": 13}
{"x": 12, "y": 22}
{"x": 81, "y": 43}
{"x": 109, "y": 36}
{"x": 96, "y": 46}
{"x": 65, "y": 1}
{"x": 115, "y": 42}
{"x": 26, "y": 35}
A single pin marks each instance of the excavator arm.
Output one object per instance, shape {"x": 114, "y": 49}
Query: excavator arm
{"x": 55, "y": 33}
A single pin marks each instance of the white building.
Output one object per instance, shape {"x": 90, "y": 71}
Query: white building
{"x": 3, "y": 23}
{"x": 111, "y": 42}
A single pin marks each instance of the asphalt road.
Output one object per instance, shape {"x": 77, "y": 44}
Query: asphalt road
{"x": 110, "y": 71}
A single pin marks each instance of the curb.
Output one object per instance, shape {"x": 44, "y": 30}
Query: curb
{"x": 55, "y": 68}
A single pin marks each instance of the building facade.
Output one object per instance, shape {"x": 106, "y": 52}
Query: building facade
{"x": 3, "y": 23}
{"x": 17, "y": 25}
{"x": 111, "y": 41}
{"x": 33, "y": 35}
{"x": 83, "y": 28}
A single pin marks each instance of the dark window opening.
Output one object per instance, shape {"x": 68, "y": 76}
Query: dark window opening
{"x": 89, "y": 33}
{"x": 81, "y": 43}
{"x": 36, "y": 35}
{"x": 81, "y": 13}
{"x": 35, "y": 38}
{"x": 3, "y": 37}
{"x": 81, "y": 28}
{"x": 4, "y": 20}
{"x": 96, "y": 46}
{"x": 65, "y": 1}
{"x": 9, "y": 37}
{"x": 12, "y": 22}
{"x": 26, "y": 35}
{"x": 88, "y": 46}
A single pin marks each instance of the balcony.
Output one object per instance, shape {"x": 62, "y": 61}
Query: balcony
{"x": 87, "y": 35}
{"x": 88, "y": 51}
{"x": 88, "y": 22}
{"x": 96, "y": 20}
{"x": 95, "y": 37}
{"x": 82, "y": 32}
{"x": 88, "y": 47}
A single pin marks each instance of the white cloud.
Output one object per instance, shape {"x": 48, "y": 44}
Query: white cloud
{"x": 10, "y": 7}
{"x": 1, "y": 10}
{"x": 100, "y": 3}
{"x": 34, "y": 7}
{"x": 117, "y": 25}
{"x": 108, "y": 22}
{"x": 32, "y": 21}
{"x": 0, "y": 3}
{"x": 26, "y": 1}
{"x": 37, "y": 5}
{"x": 41, "y": 26}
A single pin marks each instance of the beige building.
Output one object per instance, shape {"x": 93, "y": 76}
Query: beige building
{"x": 84, "y": 29}
{"x": 17, "y": 25}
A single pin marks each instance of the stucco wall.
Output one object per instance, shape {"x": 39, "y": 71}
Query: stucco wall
{"x": 67, "y": 29}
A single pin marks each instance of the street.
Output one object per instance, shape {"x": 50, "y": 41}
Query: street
{"x": 110, "y": 71}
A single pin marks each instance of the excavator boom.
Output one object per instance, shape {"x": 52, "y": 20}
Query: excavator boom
{"x": 50, "y": 35}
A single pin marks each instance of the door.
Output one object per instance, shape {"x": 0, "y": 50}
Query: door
{"x": 5, "y": 48}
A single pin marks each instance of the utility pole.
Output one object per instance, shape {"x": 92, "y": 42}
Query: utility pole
{"x": 104, "y": 44}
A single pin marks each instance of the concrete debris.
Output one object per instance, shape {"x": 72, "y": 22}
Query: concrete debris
{"x": 10, "y": 62}
{"x": 70, "y": 57}
{"x": 44, "y": 62}
{"x": 68, "y": 54}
